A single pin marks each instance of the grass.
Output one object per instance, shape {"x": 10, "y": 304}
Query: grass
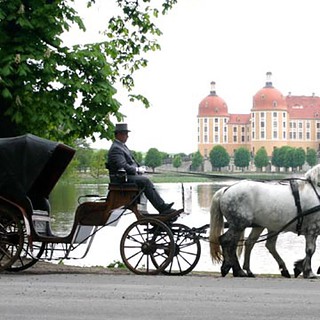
{"x": 183, "y": 177}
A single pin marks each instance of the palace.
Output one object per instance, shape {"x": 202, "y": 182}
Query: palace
{"x": 274, "y": 121}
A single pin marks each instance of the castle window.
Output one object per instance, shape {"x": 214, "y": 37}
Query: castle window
{"x": 275, "y": 104}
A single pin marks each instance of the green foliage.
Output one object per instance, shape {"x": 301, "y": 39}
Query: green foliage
{"x": 177, "y": 161}
{"x": 153, "y": 158}
{"x": 138, "y": 156}
{"x": 311, "y": 157}
{"x": 83, "y": 157}
{"x": 279, "y": 157}
{"x": 299, "y": 157}
{"x": 97, "y": 165}
{"x": 64, "y": 93}
{"x": 242, "y": 157}
{"x": 197, "y": 160}
{"x": 275, "y": 159}
{"x": 219, "y": 157}
{"x": 288, "y": 157}
{"x": 261, "y": 158}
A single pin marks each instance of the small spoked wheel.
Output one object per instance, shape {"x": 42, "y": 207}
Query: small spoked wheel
{"x": 147, "y": 247}
{"x": 187, "y": 251}
{"x": 28, "y": 255}
{"x": 11, "y": 237}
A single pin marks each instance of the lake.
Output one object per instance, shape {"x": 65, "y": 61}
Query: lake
{"x": 105, "y": 248}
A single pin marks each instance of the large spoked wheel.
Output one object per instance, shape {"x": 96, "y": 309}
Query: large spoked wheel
{"x": 147, "y": 247}
{"x": 11, "y": 237}
{"x": 28, "y": 256}
{"x": 187, "y": 251}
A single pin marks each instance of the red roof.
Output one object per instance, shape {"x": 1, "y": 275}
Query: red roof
{"x": 239, "y": 119}
{"x": 269, "y": 98}
{"x": 302, "y": 107}
{"x": 212, "y": 106}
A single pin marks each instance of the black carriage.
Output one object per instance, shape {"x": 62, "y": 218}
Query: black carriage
{"x": 31, "y": 167}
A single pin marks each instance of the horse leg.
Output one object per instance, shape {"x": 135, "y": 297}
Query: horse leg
{"x": 249, "y": 243}
{"x": 304, "y": 265}
{"x": 229, "y": 242}
{"x": 271, "y": 246}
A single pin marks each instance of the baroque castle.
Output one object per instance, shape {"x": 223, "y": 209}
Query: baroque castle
{"x": 274, "y": 121}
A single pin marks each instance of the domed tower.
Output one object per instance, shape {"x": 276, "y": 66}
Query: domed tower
{"x": 212, "y": 122}
{"x": 269, "y": 118}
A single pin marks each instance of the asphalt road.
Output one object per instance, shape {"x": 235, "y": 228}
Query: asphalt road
{"x": 127, "y": 296}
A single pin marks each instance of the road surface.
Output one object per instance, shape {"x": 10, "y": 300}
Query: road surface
{"x": 83, "y": 296}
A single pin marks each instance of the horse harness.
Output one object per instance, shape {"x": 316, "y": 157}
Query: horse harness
{"x": 295, "y": 192}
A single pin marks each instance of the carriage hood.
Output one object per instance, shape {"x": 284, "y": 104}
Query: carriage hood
{"x": 30, "y": 165}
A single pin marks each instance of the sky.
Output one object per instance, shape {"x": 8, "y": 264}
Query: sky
{"x": 234, "y": 43}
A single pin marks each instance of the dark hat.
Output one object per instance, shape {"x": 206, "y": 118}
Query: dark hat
{"x": 121, "y": 127}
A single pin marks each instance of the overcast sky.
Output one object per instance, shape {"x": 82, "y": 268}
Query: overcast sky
{"x": 231, "y": 42}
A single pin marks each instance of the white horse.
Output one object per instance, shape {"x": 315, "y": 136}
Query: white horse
{"x": 268, "y": 205}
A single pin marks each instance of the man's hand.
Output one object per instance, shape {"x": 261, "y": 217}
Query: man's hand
{"x": 141, "y": 170}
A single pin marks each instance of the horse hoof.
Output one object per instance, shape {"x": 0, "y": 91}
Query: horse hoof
{"x": 240, "y": 274}
{"x": 296, "y": 272}
{"x": 318, "y": 272}
{"x": 309, "y": 275}
{"x": 285, "y": 273}
{"x": 225, "y": 270}
{"x": 250, "y": 274}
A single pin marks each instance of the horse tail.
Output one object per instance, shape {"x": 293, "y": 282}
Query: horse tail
{"x": 216, "y": 226}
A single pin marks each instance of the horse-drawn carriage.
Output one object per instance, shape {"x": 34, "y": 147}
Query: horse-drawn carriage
{"x": 31, "y": 167}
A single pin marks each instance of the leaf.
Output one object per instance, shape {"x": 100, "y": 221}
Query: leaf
{"x": 6, "y": 93}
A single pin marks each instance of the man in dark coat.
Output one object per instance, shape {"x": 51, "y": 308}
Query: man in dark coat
{"x": 120, "y": 157}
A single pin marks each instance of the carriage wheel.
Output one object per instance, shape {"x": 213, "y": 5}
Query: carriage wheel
{"x": 187, "y": 251}
{"x": 11, "y": 237}
{"x": 27, "y": 256}
{"x": 147, "y": 247}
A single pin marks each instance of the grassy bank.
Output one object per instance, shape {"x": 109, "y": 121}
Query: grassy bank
{"x": 185, "y": 177}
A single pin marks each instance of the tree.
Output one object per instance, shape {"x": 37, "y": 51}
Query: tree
{"x": 300, "y": 157}
{"x": 261, "y": 158}
{"x": 97, "y": 165}
{"x": 242, "y": 157}
{"x": 275, "y": 159}
{"x": 83, "y": 158}
{"x": 219, "y": 157}
{"x": 177, "y": 161}
{"x": 138, "y": 156}
{"x": 197, "y": 160}
{"x": 153, "y": 158}
{"x": 311, "y": 157}
{"x": 65, "y": 93}
{"x": 280, "y": 157}
{"x": 289, "y": 157}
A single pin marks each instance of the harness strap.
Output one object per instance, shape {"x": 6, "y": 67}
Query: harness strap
{"x": 295, "y": 192}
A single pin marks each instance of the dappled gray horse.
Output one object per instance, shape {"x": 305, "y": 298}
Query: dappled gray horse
{"x": 267, "y": 205}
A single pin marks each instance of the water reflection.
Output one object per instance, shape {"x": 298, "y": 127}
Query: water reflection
{"x": 106, "y": 245}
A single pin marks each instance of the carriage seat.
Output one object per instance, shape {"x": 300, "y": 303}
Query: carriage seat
{"x": 123, "y": 186}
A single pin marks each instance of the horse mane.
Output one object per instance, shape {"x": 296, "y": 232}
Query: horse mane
{"x": 313, "y": 174}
